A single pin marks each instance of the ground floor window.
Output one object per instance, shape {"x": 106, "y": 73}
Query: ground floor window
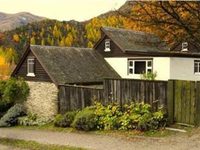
{"x": 197, "y": 66}
{"x": 139, "y": 66}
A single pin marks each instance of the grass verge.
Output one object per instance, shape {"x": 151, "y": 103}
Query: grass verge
{"x": 31, "y": 145}
{"x": 130, "y": 133}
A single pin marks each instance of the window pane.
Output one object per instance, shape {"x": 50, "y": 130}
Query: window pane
{"x": 130, "y": 71}
{"x": 131, "y": 63}
{"x": 31, "y": 68}
{"x": 149, "y": 63}
{"x": 107, "y": 43}
{"x": 140, "y": 67}
{"x": 31, "y": 64}
{"x": 196, "y": 65}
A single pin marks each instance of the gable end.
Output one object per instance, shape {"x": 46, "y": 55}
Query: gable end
{"x": 21, "y": 69}
{"x": 114, "y": 48}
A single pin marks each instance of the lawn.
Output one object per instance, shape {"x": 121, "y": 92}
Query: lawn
{"x": 30, "y": 145}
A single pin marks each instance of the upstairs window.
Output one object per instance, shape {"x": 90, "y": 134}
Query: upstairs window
{"x": 184, "y": 47}
{"x": 197, "y": 66}
{"x": 31, "y": 67}
{"x": 139, "y": 66}
{"x": 107, "y": 45}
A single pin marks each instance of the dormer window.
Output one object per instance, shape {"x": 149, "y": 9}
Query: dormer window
{"x": 107, "y": 45}
{"x": 184, "y": 47}
{"x": 31, "y": 67}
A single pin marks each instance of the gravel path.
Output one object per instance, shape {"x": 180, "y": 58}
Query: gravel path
{"x": 102, "y": 142}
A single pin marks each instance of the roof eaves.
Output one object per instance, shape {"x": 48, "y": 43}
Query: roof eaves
{"x": 165, "y": 53}
{"x": 21, "y": 61}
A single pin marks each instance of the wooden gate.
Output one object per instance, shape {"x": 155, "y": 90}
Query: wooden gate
{"x": 184, "y": 101}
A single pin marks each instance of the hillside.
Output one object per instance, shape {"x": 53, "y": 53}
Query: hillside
{"x": 61, "y": 33}
{"x": 11, "y": 21}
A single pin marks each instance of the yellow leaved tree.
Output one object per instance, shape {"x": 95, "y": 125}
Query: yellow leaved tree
{"x": 7, "y": 62}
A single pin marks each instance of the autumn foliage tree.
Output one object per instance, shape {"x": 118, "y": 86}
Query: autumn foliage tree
{"x": 93, "y": 27}
{"x": 173, "y": 21}
{"x": 8, "y": 58}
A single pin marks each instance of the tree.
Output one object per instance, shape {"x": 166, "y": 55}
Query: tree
{"x": 93, "y": 27}
{"x": 173, "y": 21}
{"x": 16, "y": 38}
{"x": 32, "y": 40}
{"x": 62, "y": 42}
{"x": 69, "y": 40}
{"x": 8, "y": 57}
{"x": 43, "y": 42}
{"x": 1, "y": 37}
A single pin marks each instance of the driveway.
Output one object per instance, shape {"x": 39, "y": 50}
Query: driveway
{"x": 102, "y": 142}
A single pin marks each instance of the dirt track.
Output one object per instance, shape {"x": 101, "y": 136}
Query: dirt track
{"x": 102, "y": 142}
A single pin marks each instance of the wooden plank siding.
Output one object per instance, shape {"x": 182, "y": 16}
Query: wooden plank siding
{"x": 40, "y": 73}
{"x": 115, "y": 50}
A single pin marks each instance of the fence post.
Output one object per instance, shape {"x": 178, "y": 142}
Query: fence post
{"x": 170, "y": 101}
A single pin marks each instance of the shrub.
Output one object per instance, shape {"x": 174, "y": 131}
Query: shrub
{"x": 11, "y": 117}
{"x": 65, "y": 120}
{"x": 59, "y": 121}
{"x": 149, "y": 76}
{"x": 107, "y": 116}
{"x": 134, "y": 116}
{"x": 4, "y": 107}
{"x": 12, "y": 91}
{"x": 2, "y": 87}
{"x": 33, "y": 120}
{"x": 85, "y": 120}
{"x": 15, "y": 91}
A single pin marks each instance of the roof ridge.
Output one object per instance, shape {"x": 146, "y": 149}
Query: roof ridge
{"x": 62, "y": 47}
{"x": 128, "y": 30}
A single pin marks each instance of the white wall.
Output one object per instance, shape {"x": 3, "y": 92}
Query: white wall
{"x": 166, "y": 68}
{"x": 119, "y": 65}
{"x": 160, "y": 65}
{"x": 183, "y": 68}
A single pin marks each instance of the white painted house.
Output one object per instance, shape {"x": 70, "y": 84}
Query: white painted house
{"x": 132, "y": 53}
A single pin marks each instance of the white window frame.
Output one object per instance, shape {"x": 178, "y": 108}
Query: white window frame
{"x": 30, "y": 61}
{"x": 139, "y": 60}
{"x": 198, "y": 67}
{"x": 184, "y": 46}
{"x": 107, "y": 45}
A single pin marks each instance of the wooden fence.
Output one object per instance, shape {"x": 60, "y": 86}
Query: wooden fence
{"x": 180, "y": 98}
{"x": 115, "y": 90}
{"x": 77, "y": 97}
{"x": 184, "y": 102}
{"x": 126, "y": 90}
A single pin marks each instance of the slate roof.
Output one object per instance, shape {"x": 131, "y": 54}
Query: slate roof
{"x": 130, "y": 40}
{"x": 73, "y": 65}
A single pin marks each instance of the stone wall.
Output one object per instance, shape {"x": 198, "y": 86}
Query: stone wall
{"x": 43, "y": 99}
